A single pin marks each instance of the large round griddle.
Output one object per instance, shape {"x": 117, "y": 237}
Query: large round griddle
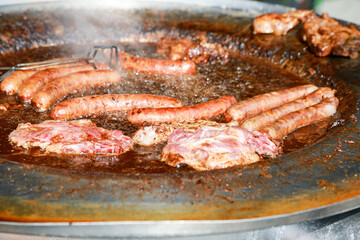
{"x": 319, "y": 181}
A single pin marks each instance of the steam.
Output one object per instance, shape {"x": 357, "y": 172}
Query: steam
{"x": 79, "y": 23}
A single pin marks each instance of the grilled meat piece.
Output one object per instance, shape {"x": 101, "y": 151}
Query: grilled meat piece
{"x": 215, "y": 148}
{"x": 156, "y": 134}
{"x": 198, "y": 50}
{"x": 327, "y": 36}
{"x": 4, "y": 107}
{"x": 279, "y": 24}
{"x": 70, "y": 137}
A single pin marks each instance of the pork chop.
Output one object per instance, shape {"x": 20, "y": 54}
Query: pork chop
{"x": 70, "y": 137}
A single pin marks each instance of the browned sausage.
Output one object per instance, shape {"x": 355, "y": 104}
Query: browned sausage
{"x": 285, "y": 125}
{"x": 11, "y": 84}
{"x": 204, "y": 110}
{"x": 264, "y": 102}
{"x": 78, "y": 107}
{"x": 40, "y": 78}
{"x": 156, "y": 66}
{"x": 262, "y": 119}
{"x": 61, "y": 87}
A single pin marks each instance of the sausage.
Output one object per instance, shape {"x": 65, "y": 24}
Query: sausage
{"x": 11, "y": 84}
{"x": 156, "y": 66}
{"x": 262, "y": 119}
{"x": 285, "y": 125}
{"x": 96, "y": 104}
{"x": 61, "y": 87}
{"x": 201, "y": 111}
{"x": 40, "y": 78}
{"x": 264, "y": 102}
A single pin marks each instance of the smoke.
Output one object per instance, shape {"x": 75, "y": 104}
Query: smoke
{"x": 78, "y": 23}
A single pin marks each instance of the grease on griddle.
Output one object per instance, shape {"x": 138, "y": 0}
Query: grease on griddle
{"x": 243, "y": 76}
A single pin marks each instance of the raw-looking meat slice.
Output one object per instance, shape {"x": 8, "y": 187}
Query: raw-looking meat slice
{"x": 216, "y": 148}
{"x": 70, "y": 137}
{"x": 156, "y": 134}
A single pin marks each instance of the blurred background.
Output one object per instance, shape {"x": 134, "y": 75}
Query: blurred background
{"x": 342, "y": 9}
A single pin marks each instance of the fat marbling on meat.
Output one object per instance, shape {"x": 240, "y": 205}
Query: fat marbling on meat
{"x": 70, "y": 137}
{"x": 215, "y": 148}
{"x": 158, "y": 133}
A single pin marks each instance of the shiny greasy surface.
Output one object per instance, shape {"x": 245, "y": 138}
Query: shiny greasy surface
{"x": 320, "y": 165}
{"x": 242, "y": 77}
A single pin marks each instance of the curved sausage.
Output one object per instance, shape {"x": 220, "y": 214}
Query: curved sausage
{"x": 267, "y": 101}
{"x": 204, "y": 110}
{"x": 61, "y": 87}
{"x": 156, "y": 66}
{"x": 262, "y": 119}
{"x": 285, "y": 125}
{"x": 96, "y": 104}
{"x": 40, "y": 78}
{"x": 11, "y": 84}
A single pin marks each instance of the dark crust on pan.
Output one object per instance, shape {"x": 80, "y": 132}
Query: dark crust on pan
{"x": 274, "y": 62}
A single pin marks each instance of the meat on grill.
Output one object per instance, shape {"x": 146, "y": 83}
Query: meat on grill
{"x": 215, "y": 148}
{"x": 70, "y": 137}
{"x": 60, "y": 87}
{"x": 156, "y": 134}
{"x": 324, "y": 35}
{"x": 40, "y": 78}
{"x": 107, "y": 103}
{"x": 279, "y": 24}
{"x": 200, "y": 111}
{"x": 267, "y": 101}
{"x": 285, "y": 125}
{"x": 262, "y": 119}
{"x": 327, "y": 36}
{"x": 198, "y": 50}
{"x": 156, "y": 66}
{"x": 4, "y": 107}
{"x": 12, "y": 83}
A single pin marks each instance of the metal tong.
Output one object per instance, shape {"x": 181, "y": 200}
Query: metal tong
{"x": 93, "y": 51}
